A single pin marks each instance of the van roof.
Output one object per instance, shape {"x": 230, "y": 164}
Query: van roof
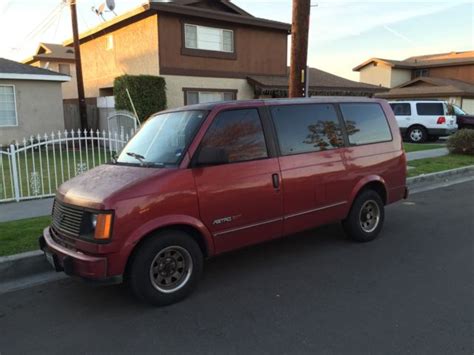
{"x": 266, "y": 102}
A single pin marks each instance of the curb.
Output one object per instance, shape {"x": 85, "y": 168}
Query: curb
{"x": 440, "y": 176}
{"x": 22, "y": 265}
{"x": 14, "y": 267}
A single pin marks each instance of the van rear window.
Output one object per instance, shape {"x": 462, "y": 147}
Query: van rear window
{"x": 430, "y": 109}
{"x": 307, "y": 128}
{"x": 365, "y": 123}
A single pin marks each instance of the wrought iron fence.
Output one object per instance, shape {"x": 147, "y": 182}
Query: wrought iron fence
{"x": 35, "y": 167}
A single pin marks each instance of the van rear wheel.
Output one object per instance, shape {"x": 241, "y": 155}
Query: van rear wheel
{"x": 166, "y": 268}
{"x": 366, "y": 217}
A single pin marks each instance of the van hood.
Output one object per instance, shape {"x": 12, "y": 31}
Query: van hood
{"x": 97, "y": 188}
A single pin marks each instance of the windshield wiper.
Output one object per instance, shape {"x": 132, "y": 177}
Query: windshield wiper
{"x": 142, "y": 161}
{"x": 139, "y": 157}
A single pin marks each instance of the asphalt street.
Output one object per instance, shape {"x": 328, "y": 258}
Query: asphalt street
{"x": 409, "y": 292}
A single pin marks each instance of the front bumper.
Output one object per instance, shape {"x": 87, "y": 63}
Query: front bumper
{"x": 76, "y": 263}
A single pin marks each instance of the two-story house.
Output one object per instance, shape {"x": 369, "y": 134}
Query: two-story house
{"x": 58, "y": 58}
{"x": 204, "y": 49}
{"x": 446, "y": 76}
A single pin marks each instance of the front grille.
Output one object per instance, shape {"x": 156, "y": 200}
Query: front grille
{"x": 67, "y": 220}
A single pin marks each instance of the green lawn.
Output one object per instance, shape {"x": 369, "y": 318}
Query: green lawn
{"x": 51, "y": 169}
{"x": 431, "y": 165}
{"x": 416, "y": 147}
{"x": 20, "y": 236}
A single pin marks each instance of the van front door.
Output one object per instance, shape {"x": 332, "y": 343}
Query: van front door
{"x": 237, "y": 182}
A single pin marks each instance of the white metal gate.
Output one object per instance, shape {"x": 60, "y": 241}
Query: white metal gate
{"x": 35, "y": 167}
{"x": 122, "y": 121}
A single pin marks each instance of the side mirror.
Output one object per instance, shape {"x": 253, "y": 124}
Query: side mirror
{"x": 212, "y": 156}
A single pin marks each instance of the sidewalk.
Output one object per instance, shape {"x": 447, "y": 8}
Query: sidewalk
{"x": 431, "y": 153}
{"x": 26, "y": 209}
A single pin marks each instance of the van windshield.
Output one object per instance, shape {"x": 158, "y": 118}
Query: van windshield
{"x": 163, "y": 139}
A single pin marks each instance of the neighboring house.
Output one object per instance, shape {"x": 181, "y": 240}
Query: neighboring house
{"x": 204, "y": 49}
{"x": 59, "y": 58}
{"x": 321, "y": 83}
{"x": 446, "y": 76}
{"x": 30, "y": 101}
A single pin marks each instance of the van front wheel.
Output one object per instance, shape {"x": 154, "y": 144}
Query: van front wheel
{"x": 165, "y": 268}
{"x": 365, "y": 220}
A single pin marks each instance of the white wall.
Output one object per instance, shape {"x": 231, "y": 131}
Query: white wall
{"x": 399, "y": 76}
{"x": 376, "y": 75}
{"x": 468, "y": 106}
{"x": 39, "y": 108}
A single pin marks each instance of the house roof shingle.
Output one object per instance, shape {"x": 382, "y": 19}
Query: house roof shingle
{"x": 318, "y": 80}
{"x": 424, "y": 61}
{"x": 10, "y": 69}
{"x": 51, "y": 52}
{"x": 430, "y": 87}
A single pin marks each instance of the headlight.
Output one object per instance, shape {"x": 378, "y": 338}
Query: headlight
{"x": 102, "y": 225}
{"x": 94, "y": 220}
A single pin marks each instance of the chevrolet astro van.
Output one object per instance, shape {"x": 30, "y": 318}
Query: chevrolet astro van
{"x": 206, "y": 179}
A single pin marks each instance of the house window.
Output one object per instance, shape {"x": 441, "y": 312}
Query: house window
{"x": 192, "y": 97}
{"x": 8, "y": 115}
{"x": 65, "y": 69}
{"x": 208, "y": 38}
{"x": 421, "y": 72}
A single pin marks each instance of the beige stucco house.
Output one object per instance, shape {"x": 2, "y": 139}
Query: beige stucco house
{"x": 30, "y": 101}
{"x": 58, "y": 58}
{"x": 445, "y": 76}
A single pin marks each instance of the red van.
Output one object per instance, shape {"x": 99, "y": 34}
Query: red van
{"x": 205, "y": 179}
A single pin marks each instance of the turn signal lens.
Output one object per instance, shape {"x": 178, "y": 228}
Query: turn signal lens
{"x": 103, "y": 226}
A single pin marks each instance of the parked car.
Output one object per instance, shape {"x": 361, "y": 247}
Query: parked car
{"x": 423, "y": 120}
{"x": 463, "y": 119}
{"x": 206, "y": 179}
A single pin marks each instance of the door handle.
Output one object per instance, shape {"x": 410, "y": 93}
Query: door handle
{"x": 276, "y": 181}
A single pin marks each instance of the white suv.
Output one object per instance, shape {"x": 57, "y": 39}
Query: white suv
{"x": 422, "y": 120}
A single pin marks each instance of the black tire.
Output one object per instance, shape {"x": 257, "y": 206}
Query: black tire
{"x": 417, "y": 134}
{"x": 354, "y": 224}
{"x": 158, "y": 250}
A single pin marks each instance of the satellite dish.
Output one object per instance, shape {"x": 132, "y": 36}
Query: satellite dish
{"x": 111, "y": 4}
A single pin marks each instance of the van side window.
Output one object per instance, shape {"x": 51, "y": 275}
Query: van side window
{"x": 307, "y": 128}
{"x": 400, "y": 109}
{"x": 238, "y": 135}
{"x": 430, "y": 109}
{"x": 365, "y": 123}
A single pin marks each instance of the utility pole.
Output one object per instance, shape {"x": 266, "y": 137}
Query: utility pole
{"x": 77, "y": 55}
{"x": 299, "y": 48}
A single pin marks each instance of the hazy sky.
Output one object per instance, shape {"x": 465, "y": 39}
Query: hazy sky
{"x": 343, "y": 33}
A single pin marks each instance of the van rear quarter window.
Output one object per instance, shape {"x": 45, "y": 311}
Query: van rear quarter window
{"x": 307, "y": 128}
{"x": 365, "y": 123}
{"x": 430, "y": 108}
{"x": 239, "y": 133}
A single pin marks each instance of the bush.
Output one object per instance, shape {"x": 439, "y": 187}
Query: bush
{"x": 148, "y": 93}
{"x": 462, "y": 142}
